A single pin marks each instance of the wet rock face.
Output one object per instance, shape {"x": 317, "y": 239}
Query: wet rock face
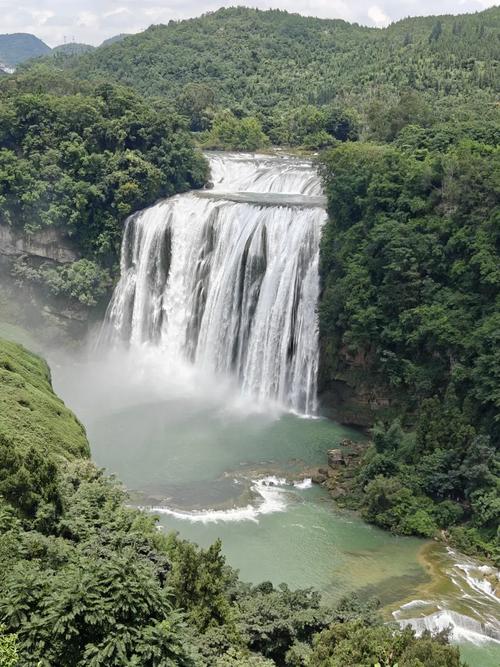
{"x": 52, "y": 318}
{"x": 45, "y": 244}
{"x": 352, "y": 403}
{"x": 349, "y": 390}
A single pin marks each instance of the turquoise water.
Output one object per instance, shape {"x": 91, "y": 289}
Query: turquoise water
{"x": 300, "y": 538}
{"x": 213, "y": 465}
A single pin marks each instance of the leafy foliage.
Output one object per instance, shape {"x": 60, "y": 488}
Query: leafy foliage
{"x": 83, "y": 280}
{"x": 354, "y": 643}
{"x": 87, "y": 581}
{"x": 8, "y": 649}
{"x": 276, "y": 620}
{"x": 410, "y": 299}
{"x": 228, "y": 132}
{"x": 266, "y": 63}
{"x": 82, "y": 158}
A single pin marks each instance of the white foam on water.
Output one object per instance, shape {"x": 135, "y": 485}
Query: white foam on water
{"x": 463, "y": 628}
{"x": 241, "y": 172}
{"x": 303, "y": 484}
{"x": 272, "y": 492}
{"x": 476, "y": 622}
{"x": 416, "y": 603}
{"x": 480, "y": 585}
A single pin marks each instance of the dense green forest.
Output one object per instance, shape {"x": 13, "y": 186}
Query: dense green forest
{"x": 81, "y": 157}
{"x": 84, "y": 580}
{"x": 295, "y": 74}
{"x": 411, "y": 301}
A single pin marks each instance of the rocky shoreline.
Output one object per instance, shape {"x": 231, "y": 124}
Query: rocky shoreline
{"x": 341, "y": 464}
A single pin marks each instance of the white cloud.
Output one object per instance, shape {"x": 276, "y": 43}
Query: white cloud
{"x": 378, "y": 17}
{"x": 41, "y": 17}
{"x": 118, "y": 12}
{"x": 87, "y": 20}
{"x": 92, "y": 21}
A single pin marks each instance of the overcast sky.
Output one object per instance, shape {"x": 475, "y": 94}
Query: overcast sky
{"x": 92, "y": 21}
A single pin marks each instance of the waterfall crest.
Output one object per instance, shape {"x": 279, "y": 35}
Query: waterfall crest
{"x": 230, "y": 285}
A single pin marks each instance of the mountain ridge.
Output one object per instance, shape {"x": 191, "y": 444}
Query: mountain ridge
{"x": 261, "y": 58}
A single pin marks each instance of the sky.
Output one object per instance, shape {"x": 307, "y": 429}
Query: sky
{"x": 92, "y": 21}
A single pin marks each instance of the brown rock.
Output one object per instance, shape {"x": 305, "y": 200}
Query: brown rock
{"x": 335, "y": 458}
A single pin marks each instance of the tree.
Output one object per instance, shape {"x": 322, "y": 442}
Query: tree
{"x": 8, "y": 649}
{"x": 229, "y": 132}
{"x": 354, "y": 643}
{"x": 196, "y": 102}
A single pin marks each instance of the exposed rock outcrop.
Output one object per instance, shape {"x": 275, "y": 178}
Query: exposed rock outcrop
{"x": 46, "y": 244}
{"x": 54, "y": 319}
{"x": 341, "y": 461}
{"x": 349, "y": 390}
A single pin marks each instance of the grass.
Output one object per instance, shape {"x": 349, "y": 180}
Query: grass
{"x": 31, "y": 415}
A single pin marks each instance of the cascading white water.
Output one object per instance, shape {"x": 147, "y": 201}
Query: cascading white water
{"x": 228, "y": 278}
{"x": 475, "y": 619}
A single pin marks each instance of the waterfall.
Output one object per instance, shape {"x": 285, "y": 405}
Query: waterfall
{"x": 462, "y": 628}
{"x": 227, "y": 278}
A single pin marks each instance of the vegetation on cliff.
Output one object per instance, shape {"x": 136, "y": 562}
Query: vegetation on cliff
{"x": 85, "y": 580}
{"x": 410, "y": 301}
{"x": 82, "y": 157}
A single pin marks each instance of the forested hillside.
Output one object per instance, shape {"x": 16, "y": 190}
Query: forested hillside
{"x": 72, "y": 49}
{"x": 276, "y": 66}
{"x": 85, "y": 581}
{"x": 410, "y": 316}
{"x": 80, "y": 157}
{"x": 19, "y": 47}
{"x": 261, "y": 58}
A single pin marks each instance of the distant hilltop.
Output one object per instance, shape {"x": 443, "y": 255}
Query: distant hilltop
{"x": 17, "y": 48}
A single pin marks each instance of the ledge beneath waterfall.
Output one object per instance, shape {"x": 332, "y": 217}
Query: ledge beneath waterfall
{"x": 265, "y": 199}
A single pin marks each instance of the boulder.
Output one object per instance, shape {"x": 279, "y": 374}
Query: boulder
{"x": 338, "y": 492}
{"x": 335, "y": 458}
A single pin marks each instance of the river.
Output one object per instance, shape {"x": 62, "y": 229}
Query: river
{"x": 216, "y": 465}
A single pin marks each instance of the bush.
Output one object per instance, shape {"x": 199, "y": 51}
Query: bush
{"x": 231, "y": 133}
{"x": 83, "y": 280}
{"x": 354, "y": 643}
{"x": 8, "y": 649}
{"x": 390, "y": 505}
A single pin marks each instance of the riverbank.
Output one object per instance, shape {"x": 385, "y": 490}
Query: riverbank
{"x": 358, "y": 478}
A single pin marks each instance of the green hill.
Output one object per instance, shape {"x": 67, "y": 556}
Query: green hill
{"x": 260, "y": 59}
{"x": 32, "y": 415}
{"x": 115, "y": 38}
{"x": 19, "y": 47}
{"x": 72, "y": 49}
